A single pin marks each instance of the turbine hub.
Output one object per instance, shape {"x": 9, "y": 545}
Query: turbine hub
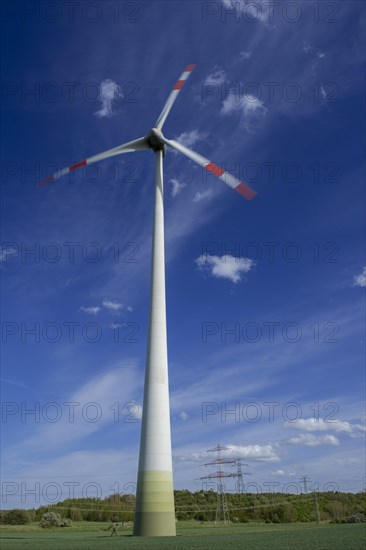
{"x": 155, "y": 141}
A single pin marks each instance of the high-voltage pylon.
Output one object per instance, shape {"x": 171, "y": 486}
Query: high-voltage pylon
{"x": 240, "y": 474}
{"x": 305, "y": 480}
{"x": 222, "y": 510}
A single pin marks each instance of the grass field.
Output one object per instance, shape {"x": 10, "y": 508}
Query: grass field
{"x": 95, "y": 536}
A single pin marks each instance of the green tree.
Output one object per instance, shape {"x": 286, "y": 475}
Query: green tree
{"x": 16, "y": 517}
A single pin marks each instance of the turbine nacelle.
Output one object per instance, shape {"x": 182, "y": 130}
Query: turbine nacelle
{"x": 155, "y": 140}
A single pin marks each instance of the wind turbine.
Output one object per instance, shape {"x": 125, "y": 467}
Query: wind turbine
{"x": 154, "y": 514}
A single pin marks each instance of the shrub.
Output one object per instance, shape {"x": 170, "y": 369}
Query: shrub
{"x": 357, "y": 518}
{"x": 52, "y": 519}
{"x": 200, "y": 517}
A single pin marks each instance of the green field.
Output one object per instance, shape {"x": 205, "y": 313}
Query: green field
{"x": 95, "y": 536}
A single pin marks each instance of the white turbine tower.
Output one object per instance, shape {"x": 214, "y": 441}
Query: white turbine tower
{"x": 154, "y": 515}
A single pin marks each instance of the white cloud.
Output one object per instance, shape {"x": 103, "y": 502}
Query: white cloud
{"x": 217, "y": 77}
{"x": 108, "y": 304}
{"x": 248, "y": 107}
{"x": 247, "y": 104}
{"x": 191, "y": 138}
{"x": 92, "y": 310}
{"x": 311, "y": 440}
{"x": 360, "y": 280}
{"x": 225, "y": 267}
{"x": 200, "y": 195}
{"x": 260, "y": 10}
{"x": 5, "y": 252}
{"x": 259, "y": 452}
{"x": 320, "y": 425}
{"x": 112, "y": 306}
{"x": 183, "y": 415}
{"x": 264, "y": 453}
{"x": 177, "y": 186}
{"x": 109, "y": 93}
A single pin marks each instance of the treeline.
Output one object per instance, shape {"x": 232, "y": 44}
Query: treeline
{"x": 272, "y": 507}
{"x": 201, "y": 506}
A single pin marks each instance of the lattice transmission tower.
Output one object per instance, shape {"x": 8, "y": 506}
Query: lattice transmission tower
{"x": 305, "y": 480}
{"x": 222, "y": 510}
{"x": 240, "y": 483}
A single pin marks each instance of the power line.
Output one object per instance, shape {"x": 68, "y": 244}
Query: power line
{"x": 193, "y": 511}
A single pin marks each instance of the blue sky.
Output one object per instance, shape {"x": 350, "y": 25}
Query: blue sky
{"x": 277, "y": 97}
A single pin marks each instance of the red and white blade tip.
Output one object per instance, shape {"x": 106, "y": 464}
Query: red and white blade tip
{"x": 183, "y": 77}
{"x": 229, "y": 179}
{"x": 71, "y": 168}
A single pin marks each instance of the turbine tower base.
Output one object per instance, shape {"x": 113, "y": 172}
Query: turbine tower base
{"x": 155, "y": 505}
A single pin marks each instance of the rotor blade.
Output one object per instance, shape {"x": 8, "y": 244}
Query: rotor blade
{"x": 173, "y": 96}
{"x": 225, "y": 176}
{"x": 135, "y": 145}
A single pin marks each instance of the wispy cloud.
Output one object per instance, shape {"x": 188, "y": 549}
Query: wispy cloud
{"x": 201, "y": 195}
{"x": 5, "y": 252}
{"x": 278, "y": 473}
{"x": 323, "y": 93}
{"x": 320, "y": 425}
{"x": 109, "y": 93}
{"x": 176, "y": 186}
{"x": 114, "y": 326}
{"x": 250, "y": 109}
{"x": 15, "y": 383}
{"x": 308, "y": 49}
{"x": 247, "y": 104}
{"x": 91, "y": 412}
{"x": 103, "y": 466}
{"x": 112, "y": 306}
{"x": 91, "y": 310}
{"x": 360, "y": 280}
{"x": 254, "y": 11}
{"x": 225, "y": 267}
{"x": 311, "y": 440}
{"x": 245, "y": 55}
{"x": 189, "y": 139}
{"x": 217, "y": 76}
